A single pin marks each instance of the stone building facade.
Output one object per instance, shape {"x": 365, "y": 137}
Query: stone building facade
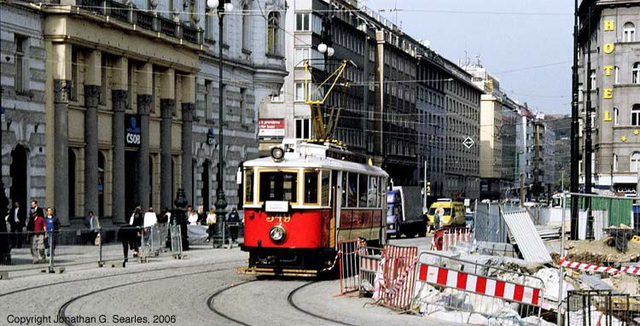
{"x": 111, "y": 91}
{"x": 23, "y": 77}
{"x": 612, "y": 34}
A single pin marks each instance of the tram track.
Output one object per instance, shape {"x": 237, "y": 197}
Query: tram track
{"x": 63, "y": 309}
{"x": 290, "y": 300}
{"x": 39, "y": 287}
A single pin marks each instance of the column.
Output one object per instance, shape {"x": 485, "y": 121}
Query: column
{"x": 167, "y": 104}
{"x": 119, "y": 95}
{"x": 92, "y": 82}
{"x": 61, "y": 91}
{"x": 188, "y": 106}
{"x": 145, "y": 100}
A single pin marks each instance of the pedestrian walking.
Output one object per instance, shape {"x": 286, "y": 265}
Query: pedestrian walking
{"x": 35, "y": 211}
{"x": 136, "y": 221}
{"x": 94, "y": 228}
{"x": 211, "y": 223}
{"x": 17, "y": 218}
{"x": 53, "y": 228}
{"x": 37, "y": 238}
{"x": 234, "y": 224}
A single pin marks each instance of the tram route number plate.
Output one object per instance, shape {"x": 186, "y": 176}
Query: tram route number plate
{"x": 276, "y": 206}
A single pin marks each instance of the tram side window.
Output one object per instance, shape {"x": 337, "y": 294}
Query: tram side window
{"x": 311, "y": 187}
{"x": 278, "y": 186}
{"x": 373, "y": 194}
{"x": 326, "y": 186}
{"x": 248, "y": 186}
{"x": 363, "y": 189}
{"x": 352, "y": 192}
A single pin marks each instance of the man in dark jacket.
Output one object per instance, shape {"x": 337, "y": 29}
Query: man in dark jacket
{"x": 234, "y": 224}
{"x": 17, "y": 217}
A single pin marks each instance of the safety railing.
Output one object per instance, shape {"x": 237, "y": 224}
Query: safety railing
{"x": 106, "y": 246}
{"x": 348, "y": 253}
{"x": 369, "y": 263}
{"x": 481, "y": 293}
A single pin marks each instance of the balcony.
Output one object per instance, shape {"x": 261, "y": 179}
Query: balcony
{"x": 139, "y": 19}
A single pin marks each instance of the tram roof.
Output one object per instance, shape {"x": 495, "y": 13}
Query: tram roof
{"x": 313, "y": 156}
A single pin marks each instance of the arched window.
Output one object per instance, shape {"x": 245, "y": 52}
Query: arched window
{"x": 629, "y": 32}
{"x": 635, "y": 73}
{"x": 635, "y": 115}
{"x": 246, "y": 28}
{"x": 635, "y": 161}
{"x": 616, "y": 116}
{"x": 616, "y": 75}
{"x": 273, "y": 33}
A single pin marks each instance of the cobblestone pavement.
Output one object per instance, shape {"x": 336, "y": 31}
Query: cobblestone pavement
{"x": 202, "y": 290}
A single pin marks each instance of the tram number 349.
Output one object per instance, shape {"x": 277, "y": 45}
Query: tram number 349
{"x": 279, "y": 218}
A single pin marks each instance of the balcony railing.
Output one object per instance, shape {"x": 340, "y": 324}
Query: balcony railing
{"x": 141, "y": 19}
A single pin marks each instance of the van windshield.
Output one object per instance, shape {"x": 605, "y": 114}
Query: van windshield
{"x": 432, "y": 211}
{"x": 389, "y": 210}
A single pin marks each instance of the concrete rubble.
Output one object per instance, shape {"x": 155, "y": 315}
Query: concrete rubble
{"x": 481, "y": 258}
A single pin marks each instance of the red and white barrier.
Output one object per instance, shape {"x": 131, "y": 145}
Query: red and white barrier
{"x": 598, "y": 269}
{"x": 398, "y": 276}
{"x": 631, "y": 270}
{"x": 486, "y": 286}
{"x": 445, "y": 238}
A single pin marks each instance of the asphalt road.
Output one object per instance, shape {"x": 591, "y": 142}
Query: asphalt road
{"x": 203, "y": 290}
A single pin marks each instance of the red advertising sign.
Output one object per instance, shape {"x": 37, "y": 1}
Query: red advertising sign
{"x": 271, "y": 128}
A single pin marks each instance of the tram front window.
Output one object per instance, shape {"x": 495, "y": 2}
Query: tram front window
{"x": 280, "y": 186}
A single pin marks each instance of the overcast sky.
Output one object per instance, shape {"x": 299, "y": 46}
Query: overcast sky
{"x": 526, "y": 44}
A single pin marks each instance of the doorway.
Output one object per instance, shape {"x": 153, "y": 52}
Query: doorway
{"x": 18, "y": 171}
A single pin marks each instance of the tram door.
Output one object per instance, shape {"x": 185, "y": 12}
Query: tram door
{"x": 335, "y": 207}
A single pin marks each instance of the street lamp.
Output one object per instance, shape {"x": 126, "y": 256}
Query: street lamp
{"x": 221, "y": 7}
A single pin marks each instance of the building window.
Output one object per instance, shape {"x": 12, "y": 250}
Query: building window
{"x": 74, "y": 75}
{"x": 104, "y": 80}
{"x": 208, "y": 99}
{"x": 302, "y": 54}
{"x": 635, "y": 161}
{"x": 614, "y": 165}
{"x": 616, "y": 116}
{"x": 303, "y": 128}
{"x": 593, "y": 79}
{"x": 20, "y": 77}
{"x": 246, "y": 28}
{"x": 208, "y": 27}
{"x": 635, "y": 73}
{"x": 273, "y": 33}
{"x": 616, "y": 75}
{"x": 635, "y": 115}
{"x": 299, "y": 91}
{"x": 629, "y": 32}
{"x": 243, "y": 104}
{"x": 278, "y": 97}
{"x": 302, "y": 22}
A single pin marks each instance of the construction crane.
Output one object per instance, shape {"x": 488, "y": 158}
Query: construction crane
{"x": 323, "y": 134}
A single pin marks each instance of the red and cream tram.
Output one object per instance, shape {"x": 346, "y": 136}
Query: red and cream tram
{"x": 302, "y": 201}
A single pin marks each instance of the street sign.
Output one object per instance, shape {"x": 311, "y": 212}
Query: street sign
{"x": 468, "y": 143}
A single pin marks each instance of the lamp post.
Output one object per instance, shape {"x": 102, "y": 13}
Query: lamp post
{"x": 221, "y": 7}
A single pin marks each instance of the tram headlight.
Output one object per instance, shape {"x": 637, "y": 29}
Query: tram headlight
{"x": 277, "y": 154}
{"x": 277, "y": 233}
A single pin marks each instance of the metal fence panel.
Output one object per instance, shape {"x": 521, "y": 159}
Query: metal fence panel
{"x": 488, "y": 226}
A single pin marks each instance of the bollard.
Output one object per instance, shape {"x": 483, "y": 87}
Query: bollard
{"x": 100, "y": 261}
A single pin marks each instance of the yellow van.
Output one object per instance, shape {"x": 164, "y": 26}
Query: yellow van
{"x": 454, "y": 212}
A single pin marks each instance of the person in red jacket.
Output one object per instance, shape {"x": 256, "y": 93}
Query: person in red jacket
{"x": 37, "y": 239}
